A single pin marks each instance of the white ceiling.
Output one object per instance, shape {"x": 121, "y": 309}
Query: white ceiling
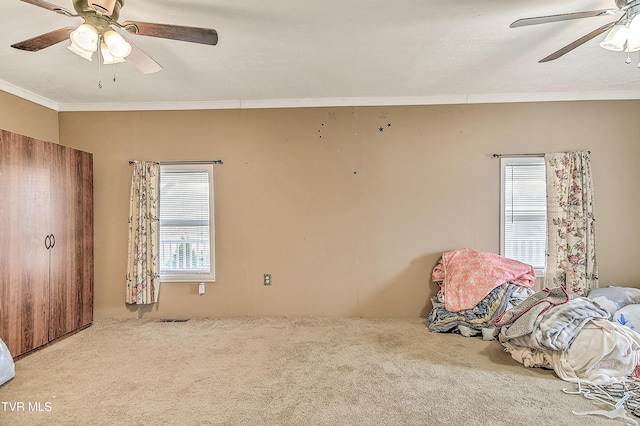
{"x": 284, "y": 53}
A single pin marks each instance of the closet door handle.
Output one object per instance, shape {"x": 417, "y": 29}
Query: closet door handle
{"x": 49, "y": 241}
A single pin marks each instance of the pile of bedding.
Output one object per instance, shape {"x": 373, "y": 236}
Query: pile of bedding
{"x": 475, "y": 288}
{"x": 573, "y": 336}
{"x": 591, "y": 341}
{"x": 583, "y": 339}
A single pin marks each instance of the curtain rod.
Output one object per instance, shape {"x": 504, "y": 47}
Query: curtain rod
{"x": 188, "y": 162}
{"x": 541, "y": 154}
{"x": 517, "y": 155}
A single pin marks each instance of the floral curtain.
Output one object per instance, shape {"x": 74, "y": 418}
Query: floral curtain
{"x": 143, "y": 267}
{"x": 571, "y": 245}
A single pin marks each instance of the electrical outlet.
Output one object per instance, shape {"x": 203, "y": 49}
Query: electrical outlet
{"x": 201, "y": 289}
{"x": 267, "y": 279}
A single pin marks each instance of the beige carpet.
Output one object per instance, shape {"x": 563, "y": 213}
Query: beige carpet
{"x": 282, "y": 371}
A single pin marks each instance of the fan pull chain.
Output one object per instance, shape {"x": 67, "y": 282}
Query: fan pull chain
{"x": 99, "y": 73}
{"x": 114, "y": 73}
{"x": 628, "y": 60}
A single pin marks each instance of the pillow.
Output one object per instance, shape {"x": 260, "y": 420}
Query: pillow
{"x": 628, "y": 316}
{"x": 613, "y": 298}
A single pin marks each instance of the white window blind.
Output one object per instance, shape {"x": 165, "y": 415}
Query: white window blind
{"x": 523, "y": 212}
{"x": 186, "y": 223}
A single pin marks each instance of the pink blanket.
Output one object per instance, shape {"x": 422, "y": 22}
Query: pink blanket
{"x": 468, "y": 276}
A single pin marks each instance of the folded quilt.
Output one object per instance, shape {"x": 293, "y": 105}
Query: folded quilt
{"x": 481, "y": 316}
{"x": 521, "y": 319}
{"x": 467, "y": 276}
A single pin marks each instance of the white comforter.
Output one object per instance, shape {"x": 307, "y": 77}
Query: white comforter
{"x": 603, "y": 352}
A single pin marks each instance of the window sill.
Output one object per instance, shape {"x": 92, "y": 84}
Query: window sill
{"x": 187, "y": 279}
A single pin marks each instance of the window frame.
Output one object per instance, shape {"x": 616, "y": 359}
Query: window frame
{"x": 504, "y": 161}
{"x": 198, "y": 277}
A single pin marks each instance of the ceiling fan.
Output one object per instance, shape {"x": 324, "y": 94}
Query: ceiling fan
{"x": 623, "y": 35}
{"x": 97, "y": 32}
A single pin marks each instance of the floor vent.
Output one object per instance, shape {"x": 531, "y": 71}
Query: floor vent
{"x": 173, "y": 320}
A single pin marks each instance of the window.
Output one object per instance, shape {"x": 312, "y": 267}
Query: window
{"x": 523, "y": 221}
{"x": 186, "y": 223}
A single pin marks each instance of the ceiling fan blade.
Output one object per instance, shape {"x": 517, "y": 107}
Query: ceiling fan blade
{"x": 569, "y": 47}
{"x": 562, "y": 17}
{"x": 142, "y": 61}
{"x": 44, "y": 40}
{"x": 49, "y": 6}
{"x": 175, "y": 32}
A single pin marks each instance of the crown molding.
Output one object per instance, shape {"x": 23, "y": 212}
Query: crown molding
{"x": 319, "y": 102}
{"x": 29, "y": 96}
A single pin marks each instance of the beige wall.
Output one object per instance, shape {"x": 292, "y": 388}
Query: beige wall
{"x": 26, "y": 118}
{"x": 350, "y": 220}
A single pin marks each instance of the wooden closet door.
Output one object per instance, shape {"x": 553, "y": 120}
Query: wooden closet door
{"x": 71, "y": 279}
{"x": 24, "y": 259}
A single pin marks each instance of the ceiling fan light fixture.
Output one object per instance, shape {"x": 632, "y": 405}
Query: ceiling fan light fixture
{"x": 85, "y": 37}
{"x": 117, "y": 45}
{"x": 616, "y": 38}
{"x": 102, "y": 16}
{"x": 80, "y": 52}
{"x": 633, "y": 41}
{"x": 107, "y": 57}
